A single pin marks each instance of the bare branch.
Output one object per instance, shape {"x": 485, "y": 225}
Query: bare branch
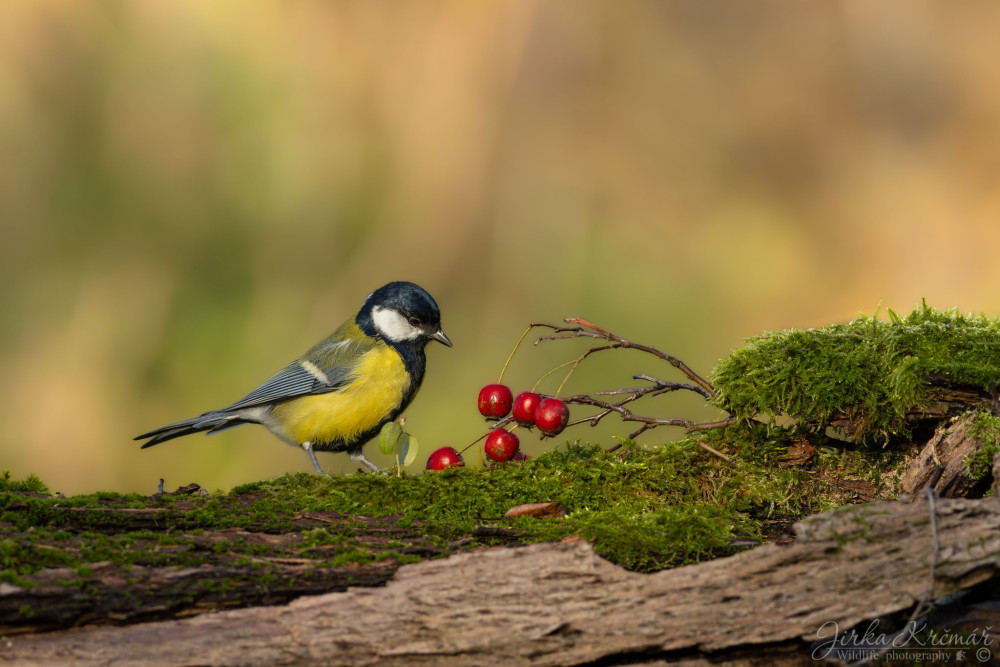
{"x": 626, "y": 414}
{"x": 657, "y": 386}
{"x": 590, "y": 330}
{"x": 707, "y": 426}
{"x": 673, "y": 386}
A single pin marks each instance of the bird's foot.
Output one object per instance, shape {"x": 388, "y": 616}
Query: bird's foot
{"x": 312, "y": 457}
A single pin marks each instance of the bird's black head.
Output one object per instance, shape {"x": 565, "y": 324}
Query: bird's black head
{"x": 402, "y": 313}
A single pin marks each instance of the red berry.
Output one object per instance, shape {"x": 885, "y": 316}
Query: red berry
{"x": 524, "y": 407}
{"x": 495, "y": 400}
{"x": 446, "y": 457}
{"x": 501, "y": 444}
{"x": 551, "y": 416}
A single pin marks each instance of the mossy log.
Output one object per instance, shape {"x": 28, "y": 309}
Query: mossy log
{"x": 201, "y": 567}
{"x": 943, "y": 463}
{"x": 869, "y": 378}
{"x": 560, "y": 604}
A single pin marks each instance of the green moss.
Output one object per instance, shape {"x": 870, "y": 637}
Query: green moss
{"x": 985, "y": 428}
{"x": 645, "y": 509}
{"x": 352, "y": 555}
{"x": 869, "y": 371}
{"x": 223, "y": 546}
{"x": 115, "y": 497}
{"x": 26, "y": 556}
{"x": 31, "y": 484}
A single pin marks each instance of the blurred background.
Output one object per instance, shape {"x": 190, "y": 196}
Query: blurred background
{"x": 193, "y": 193}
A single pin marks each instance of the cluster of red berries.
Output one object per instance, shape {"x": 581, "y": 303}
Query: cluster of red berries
{"x": 496, "y": 401}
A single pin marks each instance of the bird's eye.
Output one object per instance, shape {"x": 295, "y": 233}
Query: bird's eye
{"x": 413, "y": 320}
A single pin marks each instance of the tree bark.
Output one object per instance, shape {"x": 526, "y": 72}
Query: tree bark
{"x": 202, "y": 567}
{"x": 560, "y": 604}
{"x": 941, "y": 464}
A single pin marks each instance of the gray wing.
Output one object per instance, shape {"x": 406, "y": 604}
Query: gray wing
{"x": 302, "y": 377}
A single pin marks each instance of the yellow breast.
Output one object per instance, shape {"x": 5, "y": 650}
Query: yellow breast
{"x": 377, "y": 387}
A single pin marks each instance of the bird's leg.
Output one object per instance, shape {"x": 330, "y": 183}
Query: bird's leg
{"x": 358, "y": 456}
{"x": 312, "y": 457}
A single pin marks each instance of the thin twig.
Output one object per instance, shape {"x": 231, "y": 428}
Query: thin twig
{"x": 713, "y": 450}
{"x": 656, "y": 387}
{"x": 707, "y": 426}
{"x": 625, "y": 413}
{"x": 590, "y": 330}
{"x": 578, "y": 361}
{"x": 500, "y": 423}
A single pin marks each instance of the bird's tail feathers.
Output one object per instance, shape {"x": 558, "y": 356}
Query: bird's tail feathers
{"x": 210, "y": 422}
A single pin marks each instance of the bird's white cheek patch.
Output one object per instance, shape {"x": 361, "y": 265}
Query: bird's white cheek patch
{"x": 392, "y": 325}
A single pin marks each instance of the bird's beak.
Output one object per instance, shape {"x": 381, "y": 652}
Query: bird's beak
{"x": 441, "y": 338}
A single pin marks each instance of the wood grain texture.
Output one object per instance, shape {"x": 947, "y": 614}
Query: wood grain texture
{"x": 560, "y": 604}
{"x": 941, "y": 464}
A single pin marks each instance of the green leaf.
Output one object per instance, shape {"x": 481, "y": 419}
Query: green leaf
{"x": 388, "y": 437}
{"x": 408, "y": 448}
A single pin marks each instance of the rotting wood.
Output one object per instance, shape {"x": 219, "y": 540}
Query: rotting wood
{"x": 941, "y": 464}
{"x": 204, "y": 568}
{"x": 560, "y": 604}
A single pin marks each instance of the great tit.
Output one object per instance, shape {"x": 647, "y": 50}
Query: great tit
{"x": 340, "y": 393}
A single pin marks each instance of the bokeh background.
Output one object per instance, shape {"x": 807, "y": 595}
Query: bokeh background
{"x": 192, "y": 193}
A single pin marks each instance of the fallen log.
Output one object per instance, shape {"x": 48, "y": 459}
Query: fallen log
{"x": 192, "y": 565}
{"x": 943, "y": 462}
{"x": 560, "y": 604}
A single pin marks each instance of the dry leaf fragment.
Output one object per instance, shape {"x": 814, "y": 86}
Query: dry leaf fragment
{"x": 798, "y": 454}
{"x": 537, "y": 510}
